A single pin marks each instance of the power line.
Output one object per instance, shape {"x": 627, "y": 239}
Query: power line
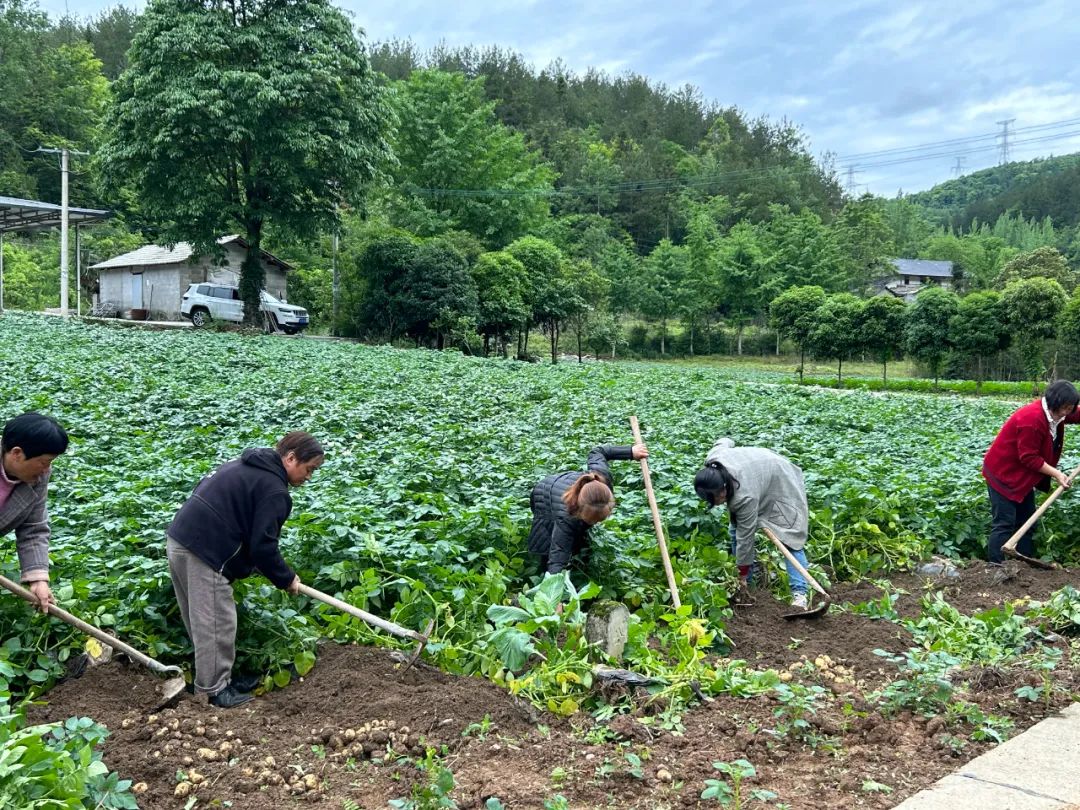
{"x": 990, "y": 136}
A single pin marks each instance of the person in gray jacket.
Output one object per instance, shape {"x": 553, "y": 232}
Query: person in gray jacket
{"x": 760, "y": 488}
{"x": 30, "y": 444}
{"x": 566, "y": 505}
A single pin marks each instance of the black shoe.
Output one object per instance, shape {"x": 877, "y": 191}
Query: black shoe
{"x": 230, "y": 698}
{"x": 248, "y": 682}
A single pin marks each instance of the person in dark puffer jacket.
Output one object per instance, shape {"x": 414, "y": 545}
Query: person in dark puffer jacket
{"x": 566, "y": 505}
{"x": 227, "y": 530}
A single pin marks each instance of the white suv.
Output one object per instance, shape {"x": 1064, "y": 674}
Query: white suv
{"x": 204, "y": 302}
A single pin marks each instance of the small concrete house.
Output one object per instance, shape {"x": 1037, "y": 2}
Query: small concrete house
{"x": 154, "y": 278}
{"x": 912, "y": 275}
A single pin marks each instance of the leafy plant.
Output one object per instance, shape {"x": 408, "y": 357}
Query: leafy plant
{"x": 728, "y": 792}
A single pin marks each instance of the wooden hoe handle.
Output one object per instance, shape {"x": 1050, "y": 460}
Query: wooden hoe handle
{"x": 791, "y": 559}
{"x": 1010, "y": 544}
{"x": 363, "y": 615}
{"x": 92, "y": 631}
{"x": 657, "y": 525}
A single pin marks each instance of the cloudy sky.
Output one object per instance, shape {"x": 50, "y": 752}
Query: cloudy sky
{"x": 859, "y": 76}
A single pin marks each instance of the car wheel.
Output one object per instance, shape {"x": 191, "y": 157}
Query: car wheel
{"x": 200, "y": 317}
{"x": 288, "y": 330}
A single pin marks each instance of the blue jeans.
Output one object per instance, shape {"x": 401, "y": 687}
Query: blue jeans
{"x": 795, "y": 579}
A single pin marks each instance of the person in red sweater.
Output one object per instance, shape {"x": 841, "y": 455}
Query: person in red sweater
{"x": 1024, "y": 456}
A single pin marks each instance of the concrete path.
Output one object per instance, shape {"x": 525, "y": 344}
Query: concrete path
{"x": 1038, "y": 770}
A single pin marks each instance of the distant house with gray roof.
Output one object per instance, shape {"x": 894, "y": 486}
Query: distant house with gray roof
{"x": 912, "y": 275}
{"x": 155, "y": 277}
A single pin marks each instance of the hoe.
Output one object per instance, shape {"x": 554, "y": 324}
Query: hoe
{"x": 1010, "y": 544}
{"x": 814, "y": 613}
{"x": 170, "y": 689}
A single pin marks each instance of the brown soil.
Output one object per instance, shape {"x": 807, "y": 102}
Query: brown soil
{"x": 523, "y": 757}
{"x": 978, "y": 586}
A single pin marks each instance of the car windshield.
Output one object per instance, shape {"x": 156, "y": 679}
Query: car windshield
{"x": 269, "y": 299}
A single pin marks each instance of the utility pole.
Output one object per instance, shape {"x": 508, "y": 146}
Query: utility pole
{"x": 958, "y": 169}
{"x": 337, "y": 286}
{"x": 64, "y": 155}
{"x": 1004, "y": 140}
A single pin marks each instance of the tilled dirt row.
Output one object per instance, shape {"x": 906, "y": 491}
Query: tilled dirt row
{"x": 349, "y": 733}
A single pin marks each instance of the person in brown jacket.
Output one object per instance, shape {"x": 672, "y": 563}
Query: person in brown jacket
{"x": 30, "y": 444}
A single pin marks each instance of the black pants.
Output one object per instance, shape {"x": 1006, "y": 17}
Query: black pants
{"x": 1006, "y": 517}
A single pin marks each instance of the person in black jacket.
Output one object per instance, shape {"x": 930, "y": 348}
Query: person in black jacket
{"x": 566, "y": 505}
{"x": 225, "y": 531}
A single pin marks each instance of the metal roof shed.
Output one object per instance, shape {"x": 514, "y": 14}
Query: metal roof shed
{"x": 29, "y": 215}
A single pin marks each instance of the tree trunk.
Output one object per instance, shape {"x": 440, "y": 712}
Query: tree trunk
{"x": 777, "y": 342}
{"x": 487, "y": 345}
{"x": 884, "y": 372}
{"x": 802, "y": 361}
{"x": 840, "y": 372}
{"x": 579, "y": 345}
{"x": 738, "y": 334}
{"x": 663, "y": 335}
{"x": 252, "y": 275}
{"x": 691, "y": 338}
{"x": 554, "y": 343}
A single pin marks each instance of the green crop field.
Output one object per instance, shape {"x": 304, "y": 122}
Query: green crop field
{"x": 421, "y": 509}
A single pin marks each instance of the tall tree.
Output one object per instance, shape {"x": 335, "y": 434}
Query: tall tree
{"x": 881, "y": 329}
{"x": 110, "y": 34}
{"x": 235, "y": 115}
{"x": 500, "y": 284}
{"x": 1031, "y": 307}
{"x": 590, "y": 289}
{"x": 458, "y": 167}
{"x": 382, "y": 271}
{"x": 743, "y": 272}
{"x": 1043, "y": 262}
{"x": 835, "y": 333}
{"x": 866, "y": 241}
{"x": 926, "y": 330}
{"x": 543, "y": 276}
{"x": 438, "y": 293}
{"x": 979, "y": 329}
{"x": 53, "y": 94}
{"x": 792, "y": 314}
{"x": 661, "y": 280}
{"x": 701, "y": 288}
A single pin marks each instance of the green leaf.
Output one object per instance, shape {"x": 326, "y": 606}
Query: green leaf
{"x": 514, "y": 647}
{"x": 304, "y": 661}
{"x": 507, "y": 614}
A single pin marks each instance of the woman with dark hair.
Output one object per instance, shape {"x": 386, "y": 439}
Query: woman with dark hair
{"x": 225, "y": 531}
{"x": 30, "y": 444}
{"x": 1023, "y": 457}
{"x": 566, "y": 505}
{"x": 760, "y": 488}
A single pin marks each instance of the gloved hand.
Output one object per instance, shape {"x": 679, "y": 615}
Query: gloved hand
{"x": 742, "y": 593}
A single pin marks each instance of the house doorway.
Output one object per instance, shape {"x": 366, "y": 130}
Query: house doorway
{"x": 136, "y": 291}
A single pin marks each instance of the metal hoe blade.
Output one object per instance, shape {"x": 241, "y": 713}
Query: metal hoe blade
{"x": 1046, "y": 566}
{"x": 172, "y": 689}
{"x": 814, "y": 613}
{"x": 419, "y": 649}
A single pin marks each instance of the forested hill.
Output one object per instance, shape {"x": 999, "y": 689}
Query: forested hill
{"x": 1045, "y": 187}
{"x": 632, "y": 149}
